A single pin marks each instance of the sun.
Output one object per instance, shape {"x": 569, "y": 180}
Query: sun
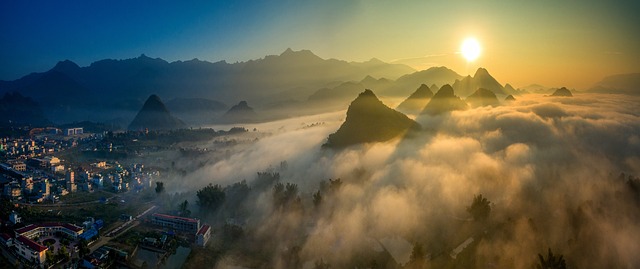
{"x": 470, "y": 49}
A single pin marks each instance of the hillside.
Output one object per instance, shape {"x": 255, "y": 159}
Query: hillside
{"x": 416, "y": 102}
{"x": 444, "y": 101}
{"x": 155, "y": 116}
{"x": 369, "y": 120}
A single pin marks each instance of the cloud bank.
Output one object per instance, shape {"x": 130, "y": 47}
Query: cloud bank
{"x": 549, "y": 166}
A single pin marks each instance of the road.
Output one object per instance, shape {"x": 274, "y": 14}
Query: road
{"x": 103, "y": 240}
{"x": 63, "y": 204}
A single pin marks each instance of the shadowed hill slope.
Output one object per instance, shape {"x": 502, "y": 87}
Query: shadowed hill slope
{"x": 155, "y": 116}
{"x": 369, "y": 120}
{"x": 444, "y": 101}
{"x": 416, "y": 102}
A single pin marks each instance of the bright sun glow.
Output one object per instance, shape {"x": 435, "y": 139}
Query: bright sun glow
{"x": 470, "y": 49}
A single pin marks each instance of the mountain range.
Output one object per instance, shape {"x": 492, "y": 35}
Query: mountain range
{"x": 292, "y": 83}
{"x": 481, "y": 79}
{"x": 109, "y": 84}
{"x": 17, "y": 110}
{"x": 621, "y": 84}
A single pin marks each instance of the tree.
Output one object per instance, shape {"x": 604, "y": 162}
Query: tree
{"x": 232, "y": 232}
{"x": 211, "y": 197}
{"x": 480, "y": 208}
{"x": 184, "y": 209}
{"x": 159, "y": 187}
{"x": 63, "y": 253}
{"x": 236, "y": 194}
{"x": 83, "y": 248}
{"x": 418, "y": 257}
{"x": 284, "y": 195}
{"x": 317, "y": 199}
{"x": 321, "y": 264}
{"x": 334, "y": 185}
{"x": 551, "y": 262}
{"x": 49, "y": 257}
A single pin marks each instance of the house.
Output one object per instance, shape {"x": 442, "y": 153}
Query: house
{"x": 203, "y": 235}
{"x": 14, "y": 218}
{"x": 73, "y": 131}
{"x": 6, "y": 240}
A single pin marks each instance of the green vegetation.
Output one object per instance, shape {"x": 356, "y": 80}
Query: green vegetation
{"x": 159, "y": 187}
{"x": 551, "y": 261}
{"x": 418, "y": 257}
{"x": 211, "y": 197}
{"x": 480, "y": 208}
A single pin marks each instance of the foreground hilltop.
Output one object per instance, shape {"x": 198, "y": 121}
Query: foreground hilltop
{"x": 369, "y": 120}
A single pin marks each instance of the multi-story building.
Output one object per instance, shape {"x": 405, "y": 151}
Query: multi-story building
{"x": 30, "y": 250}
{"x": 177, "y": 223}
{"x": 48, "y": 229}
{"x": 73, "y": 131}
{"x": 33, "y": 251}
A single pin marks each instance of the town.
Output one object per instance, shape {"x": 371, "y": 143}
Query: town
{"x": 72, "y": 199}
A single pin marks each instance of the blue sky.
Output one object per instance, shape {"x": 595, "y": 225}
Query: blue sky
{"x": 594, "y": 37}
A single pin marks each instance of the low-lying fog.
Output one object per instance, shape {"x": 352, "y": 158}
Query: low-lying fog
{"x": 550, "y": 167}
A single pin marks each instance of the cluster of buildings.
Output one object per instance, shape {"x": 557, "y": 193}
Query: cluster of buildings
{"x": 24, "y": 242}
{"x": 33, "y": 182}
{"x": 17, "y": 185}
{"x": 44, "y": 141}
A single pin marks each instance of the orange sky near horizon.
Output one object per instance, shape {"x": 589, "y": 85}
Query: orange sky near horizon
{"x": 553, "y": 43}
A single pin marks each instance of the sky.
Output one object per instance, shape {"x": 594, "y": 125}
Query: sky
{"x": 553, "y": 43}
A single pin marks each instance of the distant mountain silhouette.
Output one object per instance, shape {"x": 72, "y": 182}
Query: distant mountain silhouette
{"x": 621, "y": 84}
{"x": 371, "y": 82}
{"x": 180, "y": 105}
{"x": 444, "y": 101}
{"x": 416, "y": 102}
{"x": 483, "y": 97}
{"x": 155, "y": 116}
{"x": 562, "y": 92}
{"x": 434, "y": 75}
{"x": 342, "y": 92}
{"x": 108, "y": 83}
{"x": 508, "y": 89}
{"x": 481, "y": 79}
{"x": 240, "y": 113}
{"x": 369, "y": 120}
{"x": 537, "y": 88}
{"x": 17, "y": 110}
{"x": 509, "y": 98}
{"x": 196, "y": 111}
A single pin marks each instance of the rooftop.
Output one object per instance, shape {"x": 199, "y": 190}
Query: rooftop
{"x": 48, "y": 224}
{"x": 31, "y": 244}
{"x": 174, "y": 217}
{"x": 204, "y": 229}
